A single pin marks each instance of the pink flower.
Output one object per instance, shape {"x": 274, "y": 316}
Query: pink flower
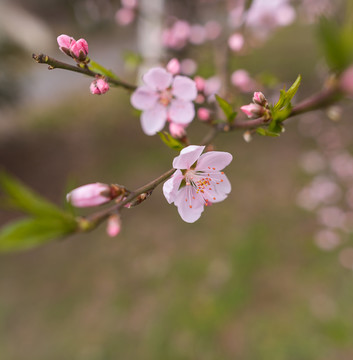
{"x": 79, "y": 49}
{"x": 64, "y": 42}
{"x": 99, "y": 87}
{"x": 252, "y": 111}
{"x": 173, "y": 66}
{"x": 203, "y": 114}
{"x": 236, "y": 42}
{"x": 259, "y": 98}
{"x": 114, "y": 225}
{"x": 76, "y": 49}
{"x": 346, "y": 81}
{"x": 164, "y": 97}
{"x": 177, "y": 130}
{"x": 198, "y": 181}
{"x": 125, "y": 16}
{"x": 90, "y": 195}
{"x": 242, "y": 80}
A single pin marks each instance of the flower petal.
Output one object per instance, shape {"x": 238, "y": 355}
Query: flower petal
{"x": 187, "y": 157}
{"x": 218, "y": 189}
{"x": 213, "y": 160}
{"x": 184, "y": 88}
{"x": 144, "y": 98}
{"x": 171, "y": 186}
{"x": 158, "y": 78}
{"x": 154, "y": 119}
{"x": 181, "y": 111}
{"x": 190, "y": 204}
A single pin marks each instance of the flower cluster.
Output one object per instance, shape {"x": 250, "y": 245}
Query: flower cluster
{"x": 198, "y": 181}
{"x": 258, "y": 108}
{"x": 75, "y": 49}
{"x": 163, "y": 98}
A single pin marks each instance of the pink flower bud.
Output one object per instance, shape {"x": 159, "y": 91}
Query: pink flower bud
{"x": 203, "y": 114}
{"x": 131, "y": 4}
{"x": 253, "y": 111}
{"x": 124, "y": 16}
{"x": 236, "y": 42}
{"x": 259, "y": 98}
{"x": 90, "y": 195}
{"x": 173, "y": 66}
{"x": 79, "y": 49}
{"x": 200, "y": 83}
{"x": 65, "y": 42}
{"x": 114, "y": 225}
{"x": 177, "y": 130}
{"x": 242, "y": 80}
{"x": 346, "y": 81}
{"x": 99, "y": 87}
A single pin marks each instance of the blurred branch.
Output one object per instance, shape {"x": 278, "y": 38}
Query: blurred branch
{"x": 56, "y": 64}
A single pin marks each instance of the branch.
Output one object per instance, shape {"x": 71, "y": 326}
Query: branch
{"x": 56, "y": 64}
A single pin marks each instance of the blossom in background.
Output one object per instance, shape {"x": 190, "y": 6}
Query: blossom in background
{"x": 99, "y": 87}
{"x": 197, "y": 181}
{"x": 162, "y": 98}
{"x": 76, "y": 49}
{"x": 113, "y": 225}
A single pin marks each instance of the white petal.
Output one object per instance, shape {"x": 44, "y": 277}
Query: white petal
{"x": 187, "y": 157}
{"x": 220, "y": 188}
{"x": 171, "y": 186}
{"x": 184, "y": 88}
{"x": 144, "y": 98}
{"x": 214, "y": 160}
{"x": 190, "y": 205}
{"x": 158, "y": 78}
{"x": 181, "y": 111}
{"x": 154, "y": 119}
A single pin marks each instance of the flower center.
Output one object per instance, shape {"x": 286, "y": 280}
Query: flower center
{"x": 165, "y": 97}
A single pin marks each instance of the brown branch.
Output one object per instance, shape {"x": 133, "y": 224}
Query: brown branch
{"x": 56, "y": 64}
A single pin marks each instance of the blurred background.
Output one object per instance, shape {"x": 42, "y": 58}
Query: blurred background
{"x": 267, "y": 274}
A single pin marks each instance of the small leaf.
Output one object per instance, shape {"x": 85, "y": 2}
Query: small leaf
{"x": 286, "y": 96}
{"x": 28, "y": 233}
{"x": 227, "y": 108}
{"x": 99, "y": 69}
{"x": 265, "y": 132}
{"x": 23, "y": 198}
{"x": 171, "y": 142}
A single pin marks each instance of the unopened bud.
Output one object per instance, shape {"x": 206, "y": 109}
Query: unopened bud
{"x": 236, "y": 42}
{"x": 173, "y": 66}
{"x": 177, "y": 130}
{"x": 346, "y": 82}
{"x": 253, "y": 111}
{"x": 79, "y": 49}
{"x": 200, "y": 83}
{"x": 259, "y": 98}
{"x": 114, "y": 225}
{"x": 90, "y": 195}
{"x": 99, "y": 87}
{"x": 65, "y": 42}
{"x": 203, "y": 114}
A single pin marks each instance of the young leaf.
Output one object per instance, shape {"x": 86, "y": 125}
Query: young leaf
{"x": 98, "y": 68}
{"x": 286, "y": 96}
{"x": 171, "y": 142}
{"x": 28, "y": 233}
{"x": 266, "y": 132}
{"x": 227, "y": 109}
{"x": 22, "y": 198}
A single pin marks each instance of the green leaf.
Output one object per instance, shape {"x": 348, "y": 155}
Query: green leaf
{"x": 171, "y": 142}
{"x": 336, "y": 42}
{"x": 266, "y": 132}
{"x": 286, "y": 96}
{"x": 227, "y": 109}
{"x": 22, "y": 198}
{"x": 28, "y": 233}
{"x": 99, "y": 69}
